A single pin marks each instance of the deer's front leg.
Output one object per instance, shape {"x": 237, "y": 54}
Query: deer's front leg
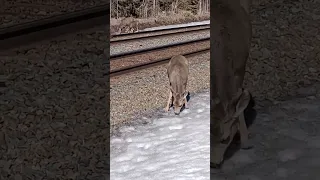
{"x": 169, "y": 101}
{"x": 185, "y": 100}
{"x": 186, "y": 103}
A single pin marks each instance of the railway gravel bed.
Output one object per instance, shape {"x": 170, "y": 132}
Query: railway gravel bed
{"x": 152, "y": 56}
{"x": 148, "y": 43}
{"x": 285, "y": 53}
{"x": 143, "y": 91}
{"x": 21, "y": 11}
{"x": 53, "y": 109}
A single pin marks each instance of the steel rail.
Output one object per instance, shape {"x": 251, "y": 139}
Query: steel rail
{"x": 157, "y": 35}
{"x": 148, "y": 50}
{"x": 54, "y": 26}
{"x": 159, "y": 30}
{"x": 129, "y": 69}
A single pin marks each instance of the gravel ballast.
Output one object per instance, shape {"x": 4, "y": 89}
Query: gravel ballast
{"x": 153, "y": 56}
{"x": 285, "y": 51}
{"x": 53, "y": 109}
{"x": 22, "y": 11}
{"x": 149, "y": 43}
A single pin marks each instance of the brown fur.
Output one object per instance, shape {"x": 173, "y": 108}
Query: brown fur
{"x": 231, "y": 38}
{"x": 178, "y": 71}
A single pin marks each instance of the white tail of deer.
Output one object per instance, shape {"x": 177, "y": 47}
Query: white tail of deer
{"x": 178, "y": 71}
{"x": 231, "y": 38}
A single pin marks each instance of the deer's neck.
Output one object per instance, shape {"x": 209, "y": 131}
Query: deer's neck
{"x": 246, "y": 5}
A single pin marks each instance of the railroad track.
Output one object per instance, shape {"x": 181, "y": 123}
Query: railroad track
{"x": 21, "y": 11}
{"x": 47, "y": 28}
{"x": 157, "y": 33}
{"x": 128, "y": 62}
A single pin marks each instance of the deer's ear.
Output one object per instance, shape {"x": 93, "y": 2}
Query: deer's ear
{"x": 242, "y": 103}
{"x": 168, "y": 65}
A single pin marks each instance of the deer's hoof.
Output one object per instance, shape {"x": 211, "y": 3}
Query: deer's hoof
{"x": 246, "y": 146}
{"x": 215, "y": 166}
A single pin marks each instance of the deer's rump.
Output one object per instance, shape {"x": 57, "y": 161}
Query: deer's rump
{"x": 231, "y": 37}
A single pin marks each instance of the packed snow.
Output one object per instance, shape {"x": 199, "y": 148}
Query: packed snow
{"x": 177, "y": 25}
{"x": 174, "y": 147}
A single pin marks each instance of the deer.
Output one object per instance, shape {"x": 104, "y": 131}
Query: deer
{"x": 177, "y": 71}
{"x": 231, "y": 40}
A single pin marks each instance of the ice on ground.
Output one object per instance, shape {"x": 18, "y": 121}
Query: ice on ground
{"x": 177, "y": 25}
{"x": 172, "y": 147}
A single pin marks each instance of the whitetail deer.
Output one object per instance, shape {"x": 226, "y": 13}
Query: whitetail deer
{"x": 231, "y": 39}
{"x": 178, "y": 71}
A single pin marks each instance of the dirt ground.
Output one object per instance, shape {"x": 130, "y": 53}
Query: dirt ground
{"x": 286, "y": 139}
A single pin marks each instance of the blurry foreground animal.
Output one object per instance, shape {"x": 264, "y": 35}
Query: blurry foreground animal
{"x": 178, "y": 71}
{"x": 231, "y": 40}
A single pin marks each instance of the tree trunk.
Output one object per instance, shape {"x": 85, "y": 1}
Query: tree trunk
{"x": 200, "y": 7}
{"x": 117, "y": 9}
{"x": 145, "y": 7}
{"x": 205, "y": 6}
{"x": 154, "y": 8}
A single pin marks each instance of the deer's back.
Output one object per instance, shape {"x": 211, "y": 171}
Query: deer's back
{"x": 231, "y": 44}
{"x": 178, "y": 70}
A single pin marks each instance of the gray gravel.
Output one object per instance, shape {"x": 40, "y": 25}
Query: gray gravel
{"x": 285, "y": 53}
{"x": 53, "y": 111}
{"x": 148, "y": 43}
{"x": 139, "y": 92}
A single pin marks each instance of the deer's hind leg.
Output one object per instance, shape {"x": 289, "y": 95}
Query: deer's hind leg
{"x": 244, "y": 133}
{"x": 186, "y": 102}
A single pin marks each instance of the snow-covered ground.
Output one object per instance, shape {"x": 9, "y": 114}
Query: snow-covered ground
{"x": 177, "y": 25}
{"x": 170, "y": 148}
{"x": 286, "y": 144}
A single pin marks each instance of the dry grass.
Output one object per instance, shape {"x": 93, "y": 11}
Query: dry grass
{"x": 169, "y": 19}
